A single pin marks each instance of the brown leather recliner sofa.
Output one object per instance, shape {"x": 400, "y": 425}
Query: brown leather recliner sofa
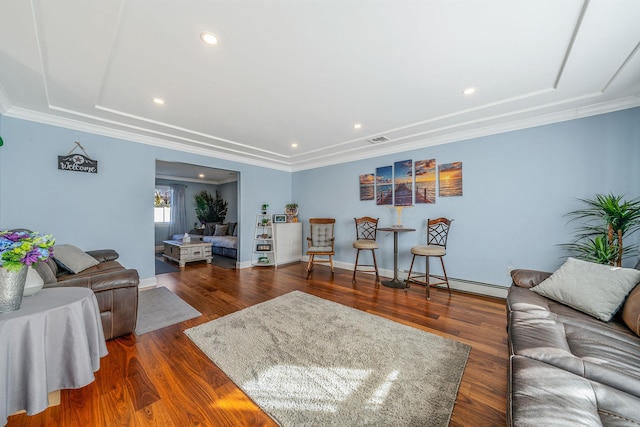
{"x": 115, "y": 288}
{"x": 569, "y": 368}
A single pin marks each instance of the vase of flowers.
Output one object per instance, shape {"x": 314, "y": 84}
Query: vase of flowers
{"x": 291, "y": 210}
{"x": 19, "y": 250}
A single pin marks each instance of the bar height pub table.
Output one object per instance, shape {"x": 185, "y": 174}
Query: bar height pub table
{"x": 395, "y": 282}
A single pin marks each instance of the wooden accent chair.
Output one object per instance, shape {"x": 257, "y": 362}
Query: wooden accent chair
{"x": 437, "y": 233}
{"x": 320, "y": 242}
{"x": 366, "y": 229}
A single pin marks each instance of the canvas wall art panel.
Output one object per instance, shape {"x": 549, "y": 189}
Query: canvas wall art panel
{"x": 403, "y": 183}
{"x": 450, "y": 179}
{"x": 384, "y": 185}
{"x": 367, "y": 189}
{"x": 425, "y": 181}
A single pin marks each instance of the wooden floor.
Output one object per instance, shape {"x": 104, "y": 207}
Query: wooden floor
{"x": 162, "y": 379}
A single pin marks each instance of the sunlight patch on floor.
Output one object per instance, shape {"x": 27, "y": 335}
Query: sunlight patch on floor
{"x": 381, "y": 393}
{"x": 305, "y": 388}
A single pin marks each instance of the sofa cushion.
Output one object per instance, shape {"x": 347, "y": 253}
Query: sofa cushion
{"x": 221, "y": 230}
{"x": 231, "y": 229}
{"x": 596, "y": 289}
{"x": 210, "y": 228}
{"x": 544, "y": 395}
{"x": 605, "y": 355}
{"x": 72, "y": 258}
{"x": 631, "y": 311}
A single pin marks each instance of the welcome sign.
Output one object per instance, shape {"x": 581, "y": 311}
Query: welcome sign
{"x": 77, "y": 162}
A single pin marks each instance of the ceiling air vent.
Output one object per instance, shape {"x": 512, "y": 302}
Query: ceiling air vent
{"x": 378, "y": 139}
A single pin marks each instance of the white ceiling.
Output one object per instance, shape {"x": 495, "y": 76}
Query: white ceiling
{"x": 306, "y": 71}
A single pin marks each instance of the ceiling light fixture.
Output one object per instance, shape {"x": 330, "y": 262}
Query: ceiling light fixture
{"x": 209, "y": 38}
{"x": 294, "y": 145}
{"x": 357, "y": 126}
{"x": 158, "y": 101}
{"x": 469, "y": 91}
{"x": 201, "y": 175}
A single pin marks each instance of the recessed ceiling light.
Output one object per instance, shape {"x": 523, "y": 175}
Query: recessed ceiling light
{"x": 294, "y": 145}
{"x": 209, "y": 38}
{"x": 357, "y": 126}
{"x": 201, "y": 175}
{"x": 469, "y": 91}
{"x": 158, "y": 101}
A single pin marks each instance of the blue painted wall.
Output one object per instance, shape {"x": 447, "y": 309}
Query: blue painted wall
{"x": 517, "y": 187}
{"x": 113, "y": 208}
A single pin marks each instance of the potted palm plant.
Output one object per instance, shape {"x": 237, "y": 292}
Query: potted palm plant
{"x": 608, "y": 219}
{"x": 210, "y": 208}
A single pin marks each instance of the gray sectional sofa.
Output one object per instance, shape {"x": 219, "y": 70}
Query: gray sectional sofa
{"x": 223, "y": 238}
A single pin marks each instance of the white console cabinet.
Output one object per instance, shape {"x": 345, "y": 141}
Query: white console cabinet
{"x": 288, "y": 241}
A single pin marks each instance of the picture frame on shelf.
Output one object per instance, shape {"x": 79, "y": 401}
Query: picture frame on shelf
{"x": 263, "y": 247}
{"x": 279, "y": 218}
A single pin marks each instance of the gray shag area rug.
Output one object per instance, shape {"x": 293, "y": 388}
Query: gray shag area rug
{"x": 159, "y": 307}
{"x": 307, "y": 361}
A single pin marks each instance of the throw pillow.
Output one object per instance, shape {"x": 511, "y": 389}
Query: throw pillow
{"x": 221, "y": 230}
{"x": 210, "y": 228}
{"x": 232, "y": 227}
{"x": 73, "y": 258}
{"x": 596, "y": 289}
{"x": 631, "y": 311}
{"x": 235, "y": 231}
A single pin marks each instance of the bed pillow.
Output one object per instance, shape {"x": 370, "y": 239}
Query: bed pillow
{"x": 232, "y": 227}
{"x": 221, "y": 230}
{"x": 595, "y": 289}
{"x": 72, "y": 258}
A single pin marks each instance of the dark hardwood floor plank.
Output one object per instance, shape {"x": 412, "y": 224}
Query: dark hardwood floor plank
{"x": 162, "y": 379}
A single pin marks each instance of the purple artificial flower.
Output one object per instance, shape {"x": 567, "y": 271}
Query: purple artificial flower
{"x": 31, "y": 257}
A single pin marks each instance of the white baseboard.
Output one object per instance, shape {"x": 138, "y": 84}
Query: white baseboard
{"x": 457, "y": 284}
{"x": 149, "y": 282}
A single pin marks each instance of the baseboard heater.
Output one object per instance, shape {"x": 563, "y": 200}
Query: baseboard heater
{"x": 469, "y": 286}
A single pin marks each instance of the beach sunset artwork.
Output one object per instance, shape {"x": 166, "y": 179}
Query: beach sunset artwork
{"x": 367, "y": 189}
{"x": 425, "y": 181}
{"x": 450, "y": 177}
{"x": 384, "y": 185}
{"x": 403, "y": 180}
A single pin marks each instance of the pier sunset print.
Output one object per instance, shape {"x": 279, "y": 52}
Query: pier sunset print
{"x": 384, "y": 185}
{"x": 367, "y": 189}
{"x": 425, "y": 181}
{"x": 450, "y": 179}
{"x": 403, "y": 177}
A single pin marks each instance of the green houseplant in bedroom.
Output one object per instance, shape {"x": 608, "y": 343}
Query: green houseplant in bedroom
{"x": 607, "y": 220}
{"x": 210, "y": 208}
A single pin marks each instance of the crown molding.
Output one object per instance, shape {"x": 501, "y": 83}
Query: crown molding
{"x": 48, "y": 119}
{"x": 545, "y": 119}
{"x": 334, "y": 158}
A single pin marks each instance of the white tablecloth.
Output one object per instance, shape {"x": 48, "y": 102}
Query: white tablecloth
{"x": 54, "y": 341}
